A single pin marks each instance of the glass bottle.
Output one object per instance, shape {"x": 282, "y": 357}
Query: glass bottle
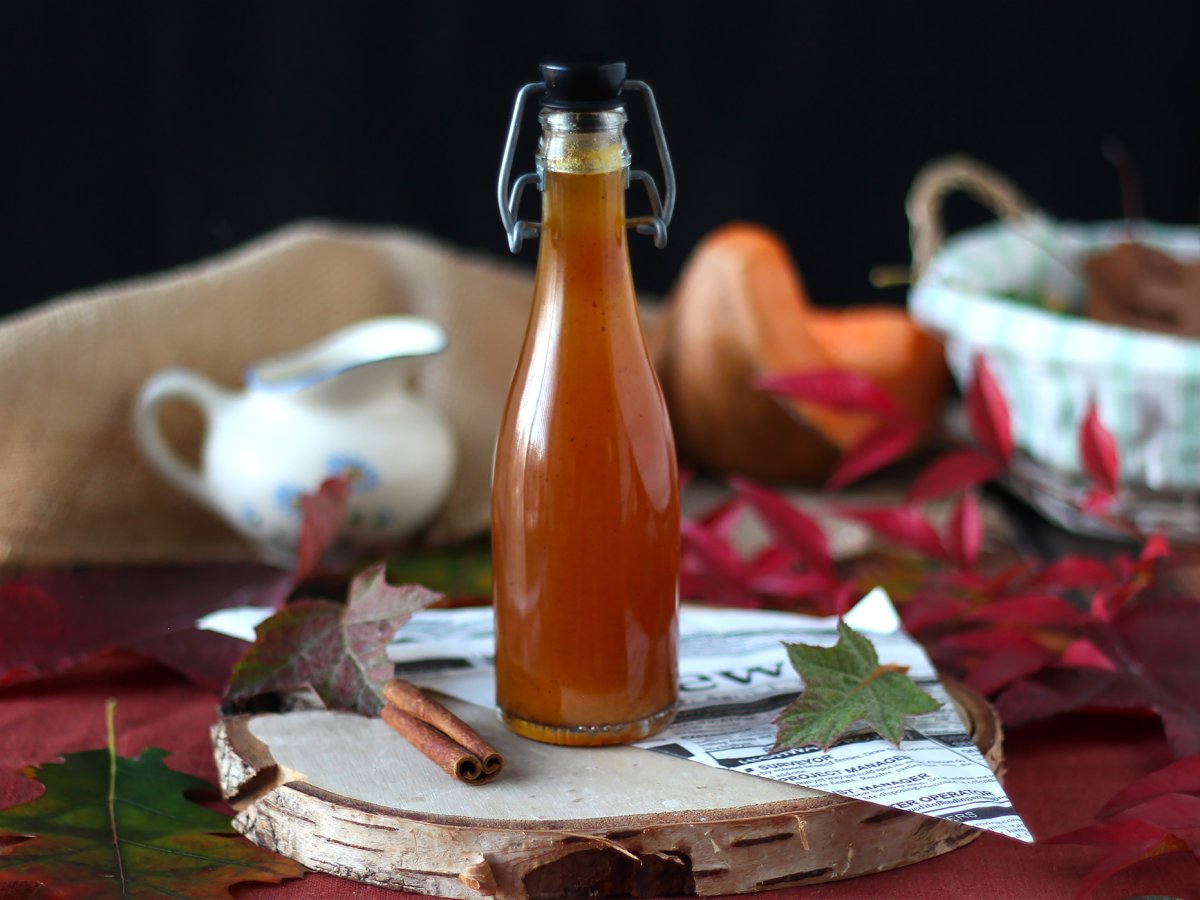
{"x": 585, "y": 499}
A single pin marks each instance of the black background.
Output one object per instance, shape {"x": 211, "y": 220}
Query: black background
{"x": 143, "y": 135}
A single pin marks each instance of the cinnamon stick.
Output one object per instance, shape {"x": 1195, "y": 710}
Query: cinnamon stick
{"x": 439, "y": 734}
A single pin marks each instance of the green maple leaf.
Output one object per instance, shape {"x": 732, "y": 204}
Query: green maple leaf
{"x": 109, "y": 826}
{"x": 844, "y": 684}
{"x": 337, "y": 649}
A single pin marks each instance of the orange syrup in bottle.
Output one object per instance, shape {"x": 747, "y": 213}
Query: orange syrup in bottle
{"x": 585, "y": 503}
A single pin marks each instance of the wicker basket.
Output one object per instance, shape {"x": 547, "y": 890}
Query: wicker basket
{"x": 1012, "y": 291}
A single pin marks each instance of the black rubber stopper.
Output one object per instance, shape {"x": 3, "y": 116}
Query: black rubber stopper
{"x": 583, "y": 86}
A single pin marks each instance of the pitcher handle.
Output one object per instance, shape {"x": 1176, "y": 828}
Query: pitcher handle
{"x": 171, "y": 384}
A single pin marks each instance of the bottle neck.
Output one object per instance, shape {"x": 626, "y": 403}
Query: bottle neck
{"x": 582, "y": 143}
{"x": 583, "y": 162}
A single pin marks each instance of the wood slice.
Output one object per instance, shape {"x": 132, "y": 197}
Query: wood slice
{"x": 345, "y": 795}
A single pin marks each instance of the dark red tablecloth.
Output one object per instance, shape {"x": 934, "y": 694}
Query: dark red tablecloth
{"x": 1059, "y": 774}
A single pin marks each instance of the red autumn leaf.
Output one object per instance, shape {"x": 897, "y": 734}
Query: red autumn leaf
{"x": 723, "y": 518}
{"x": 876, "y": 449}
{"x": 205, "y": 658}
{"x": 1136, "y": 575}
{"x": 1127, "y": 843}
{"x": 703, "y": 587}
{"x": 996, "y": 672}
{"x": 1111, "y": 834}
{"x": 792, "y": 584}
{"x": 1121, "y": 690}
{"x": 969, "y": 581}
{"x": 836, "y": 389}
{"x": 1158, "y": 638}
{"x": 52, "y": 621}
{"x": 1030, "y": 610}
{"x": 953, "y": 472}
{"x": 1136, "y": 578}
{"x": 1051, "y": 692}
{"x": 1178, "y": 813}
{"x": 1005, "y": 578}
{"x": 1183, "y": 775}
{"x": 713, "y": 550}
{"x": 1159, "y": 666}
{"x": 31, "y": 625}
{"x": 1103, "y": 606}
{"x": 1182, "y": 730}
{"x": 337, "y": 649}
{"x": 1156, "y": 547}
{"x": 787, "y": 523}
{"x": 930, "y": 609}
{"x": 1125, "y": 565}
{"x": 845, "y": 597}
{"x": 1004, "y": 655}
{"x": 56, "y": 619}
{"x": 323, "y": 514}
{"x": 699, "y": 587}
{"x": 773, "y": 575}
{"x": 771, "y": 559}
{"x": 1108, "y": 601}
{"x": 905, "y": 525}
{"x": 1155, "y": 671}
{"x": 964, "y": 531}
{"x": 1083, "y": 654}
{"x": 710, "y": 569}
{"x": 794, "y": 587}
{"x": 1096, "y": 502}
{"x": 1070, "y": 573}
{"x": 987, "y": 412}
{"x": 1098, "y": 453}
{"x": 999, "y": 639}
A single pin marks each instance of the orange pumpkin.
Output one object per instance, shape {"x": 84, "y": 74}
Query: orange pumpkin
{"x": 740, "y": 311}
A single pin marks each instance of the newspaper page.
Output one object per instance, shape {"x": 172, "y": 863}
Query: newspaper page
{"x": 734, "y": 679}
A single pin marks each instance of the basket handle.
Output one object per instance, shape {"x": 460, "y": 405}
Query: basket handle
{"x": 943, "y": 176}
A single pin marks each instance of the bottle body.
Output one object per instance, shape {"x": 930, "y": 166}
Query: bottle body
{"x": 585, "y": 502}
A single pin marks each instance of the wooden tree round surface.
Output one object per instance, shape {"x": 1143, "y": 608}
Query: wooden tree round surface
{"x": 344, "y": 794}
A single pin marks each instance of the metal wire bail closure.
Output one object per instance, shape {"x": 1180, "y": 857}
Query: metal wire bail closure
{"x": 509, "y": 198}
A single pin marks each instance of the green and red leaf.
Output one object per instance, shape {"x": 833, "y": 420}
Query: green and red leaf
{"x": 110, "y": 826}
{"x": 339, "y": 650}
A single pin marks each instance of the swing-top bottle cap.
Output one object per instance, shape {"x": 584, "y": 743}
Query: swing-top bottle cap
{"x": 583, "y": 87}
{"x": 586, "y": 87}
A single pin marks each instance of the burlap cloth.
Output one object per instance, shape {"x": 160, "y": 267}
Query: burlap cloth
{"x": 74, "y": 487}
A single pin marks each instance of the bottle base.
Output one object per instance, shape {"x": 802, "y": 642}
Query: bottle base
{"x": 590, "y": 735}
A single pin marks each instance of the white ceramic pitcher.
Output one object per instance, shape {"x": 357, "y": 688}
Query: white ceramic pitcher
{"x": 339, "y": 406}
